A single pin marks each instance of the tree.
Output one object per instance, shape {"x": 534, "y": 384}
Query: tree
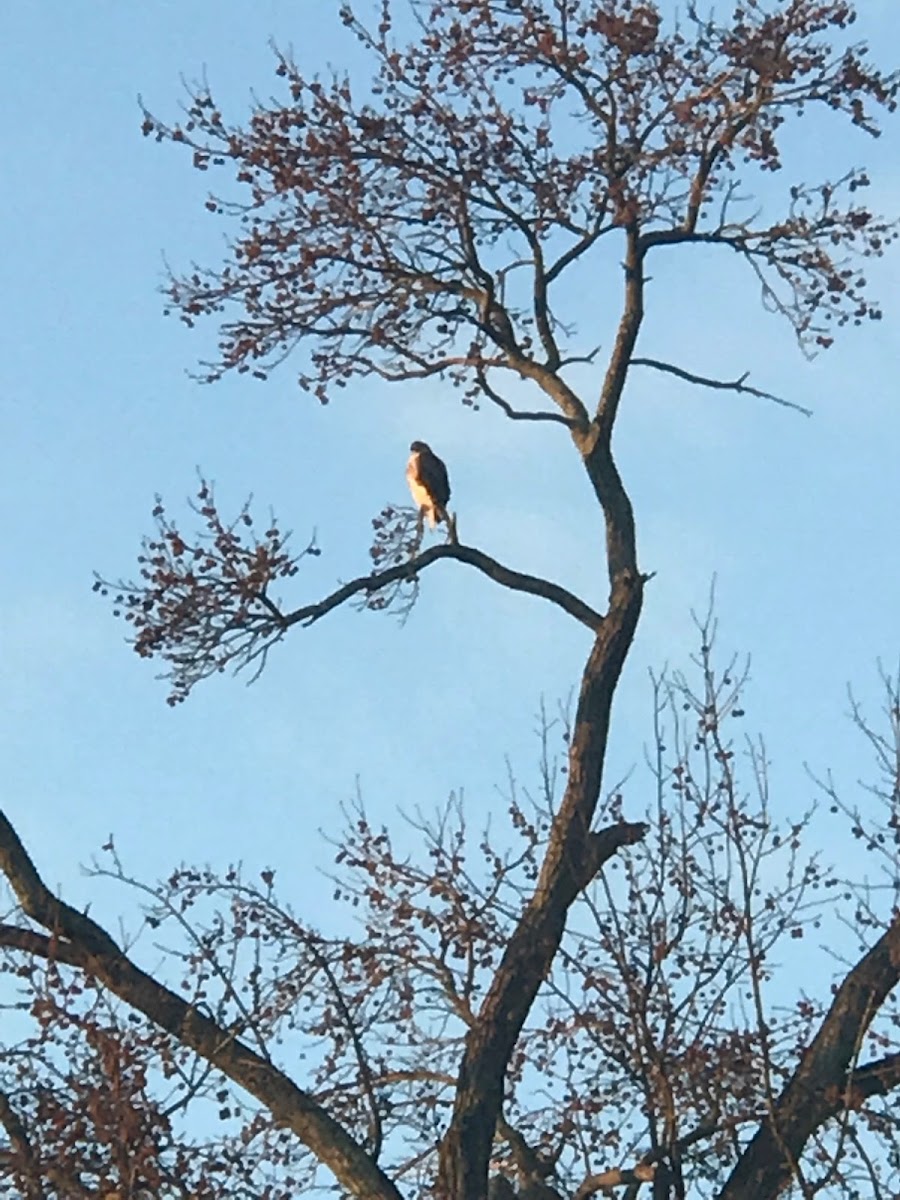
{"x": 550, "y": 1002}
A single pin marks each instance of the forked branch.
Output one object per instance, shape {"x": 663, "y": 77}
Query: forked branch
{"x": 516, "y": 414}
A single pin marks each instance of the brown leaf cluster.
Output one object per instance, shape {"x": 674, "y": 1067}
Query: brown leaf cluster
{"x": 202, "y": 602}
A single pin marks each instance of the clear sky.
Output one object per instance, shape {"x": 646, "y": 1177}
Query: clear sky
{"x": 797, "y": 517}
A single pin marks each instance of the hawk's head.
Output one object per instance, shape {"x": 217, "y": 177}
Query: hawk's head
{"x": 420, "y": 448}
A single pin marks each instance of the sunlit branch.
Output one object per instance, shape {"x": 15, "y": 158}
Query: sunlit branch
{"x": 616, "y": 1177}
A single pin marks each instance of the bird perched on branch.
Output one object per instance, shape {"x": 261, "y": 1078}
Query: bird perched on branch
{"x": 430, "y": 487}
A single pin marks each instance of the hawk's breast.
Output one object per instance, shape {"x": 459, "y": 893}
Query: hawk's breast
{"x": 420, "y": 494}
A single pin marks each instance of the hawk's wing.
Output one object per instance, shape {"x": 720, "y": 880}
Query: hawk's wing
{"x": 433, "y": 476}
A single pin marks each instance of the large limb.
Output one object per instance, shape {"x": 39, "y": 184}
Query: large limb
{"x": 575, "y": 852}
{"x": 83, "y": 943}
{"x": 819, "y": 1087}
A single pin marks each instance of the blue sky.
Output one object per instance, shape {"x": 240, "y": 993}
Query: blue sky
{"x": 796, "y": 517}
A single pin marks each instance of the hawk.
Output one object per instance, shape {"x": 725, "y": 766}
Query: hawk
{"x": 429, "y": 485}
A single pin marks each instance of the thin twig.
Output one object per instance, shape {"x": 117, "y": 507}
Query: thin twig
{"x": 739, "y": 385}
{"x": 517, "y": 414}
{"x": 576, "y": 359}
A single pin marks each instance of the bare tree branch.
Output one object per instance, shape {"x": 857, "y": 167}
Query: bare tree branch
{"x": 533, "y": 1167}
{"x": 91, "y": 948}
{"x": 731, "y": 385}
{"x": 37, "y": 944}
{"x": 505, "y": 576}
{"x": 615, "y": 1177}
{"x": 816, "y": 1089}
{"x": 25, "y": 1163}
{"x": 203, "y": 602}
{"x": 574, "y": 853}
{"x": 876, "y": 1078}
{"x": 517, "y": 414}
{"x": 574, "y": 857}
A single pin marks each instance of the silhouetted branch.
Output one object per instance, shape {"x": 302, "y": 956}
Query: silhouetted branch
{"x": 728, "y": 385}
{"x": 505, "y": 576}
{"x": 581, "y": 359}
{"x": 517, "y": 414}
